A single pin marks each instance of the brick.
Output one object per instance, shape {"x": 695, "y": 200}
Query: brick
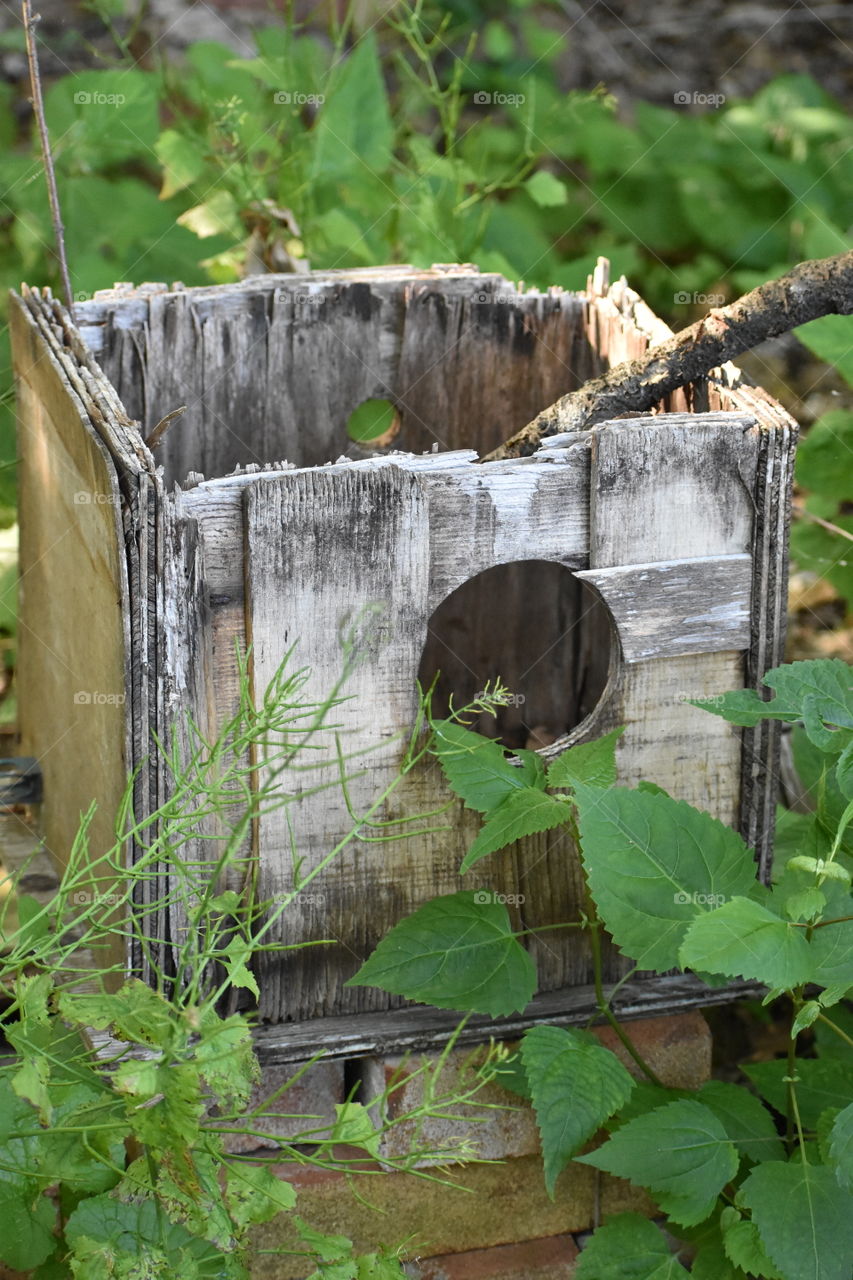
{"x": 502, "y": 1126}
{"x": 551, "y": 1258}
{"x": 677, "y": 1047}
{"x": 491, "y": 1204}
{"x": 308, "y": 1104}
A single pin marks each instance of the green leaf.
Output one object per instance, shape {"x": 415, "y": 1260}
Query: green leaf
{"x": 823, "y": 456}
{"x": 654, "y": 865}
{"x": 235, "y": 957}
{"x": 182, "y": 160}
{"x": 841, "y": 1146}
{"x": 593, "y": 763}
{"x": 809, "y": 1013}
{"x": 354, "y": 133}
{"x": 217, "y": 216}
{"x": 254, "y": 1194}
{"x": 821, "y": 1083}
{"x": 628, "y": 1247}
{"x": 28, "y": 1222}
{"x": 354, "y": 1126}
{"x": 803, "y": 1218}
{"x": 521, "y": 813}
{"x": 831, "y": 946}
{"x": 225, "y": 1056}
{"x": 829, "y": 1044}
{"x": 476, "y": 767}
{"x": 546, "y": 190}
{"x": 745, "y": 1119}
{"x": 575, "y": 1085}
{"x": 135, "y": 1013}
{"x": 742, "y": 939}
{"x": 163, "y": 1100}
{"x": 818, "y": 691}
{"x": 455, "y": 952}
{"x": 831, "y": 339}
{"x": 743, "y": 1247}
{"x": 680, "y": 1152}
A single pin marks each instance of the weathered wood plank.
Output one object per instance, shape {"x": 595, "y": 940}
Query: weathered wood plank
{"x": 699, "y": 605}
{"x": 74, "y": 670}
{"x": 322, "y": 550}
{"x": 420, "y": 1030}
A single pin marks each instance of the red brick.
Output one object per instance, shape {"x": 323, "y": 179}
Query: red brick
{"x": 503, "y": 1126}
{"x": 308, "y": 1104}
{"x": 677, "y": 1047}
{"x": 549, "y": 1258}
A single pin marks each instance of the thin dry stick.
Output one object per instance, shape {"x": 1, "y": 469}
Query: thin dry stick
{"x": 821, "y": 287}
{"x": 30, "y": 21}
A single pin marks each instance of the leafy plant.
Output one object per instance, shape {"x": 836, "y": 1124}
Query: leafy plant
{"x": 120, "y": 1095}
{"x": 754, "y": 1180}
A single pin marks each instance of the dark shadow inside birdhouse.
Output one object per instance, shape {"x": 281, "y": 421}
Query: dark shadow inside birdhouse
{"x": 540, "y": 630}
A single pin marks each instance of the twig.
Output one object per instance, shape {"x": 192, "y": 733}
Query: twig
{"x": 821, "y": 287}
{"x": 804, "y": 514}
{"x": 163, "y": 426}
{"x": 30, "y": 21}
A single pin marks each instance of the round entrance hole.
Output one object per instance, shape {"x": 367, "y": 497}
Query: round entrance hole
{"x": 540, "y": 630}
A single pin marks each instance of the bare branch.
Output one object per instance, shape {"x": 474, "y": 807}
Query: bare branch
{"x": 821, "y": 287}
{"x": 30, "y": 21}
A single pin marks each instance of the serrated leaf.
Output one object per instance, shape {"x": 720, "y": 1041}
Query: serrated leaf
{"x": 135, "y": 1013}
{"x": 841, "y": 1147}
{"x": 743, "y": 1247}
{"x": 255, "y": 1194}
{"x": 522, "y": 813}
{"x": 742, "y": 939}
{"x": 236, "y": 956}
{"x": 454, "y": 952}
{"x": 831, "y": 945}
{"x": 844, "y": 772}
{"x": 805, "y": 904}
{"x": 628, "y": 1247}
{"x": 803, "y": 1218}
{"x": 821, "y": 1083}
{"x": 654, "y": 865}
{"x": 818, "y": 691}
{"x": 593, "y": 763}
{"x": 680, "y": 1152}
{"x": 745, "y": 1119}
{"x": 477, "y": 768}
{"x": 575, "y": 1085}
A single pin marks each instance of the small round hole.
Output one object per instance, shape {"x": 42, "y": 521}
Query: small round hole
{"x": 374, "y": 422}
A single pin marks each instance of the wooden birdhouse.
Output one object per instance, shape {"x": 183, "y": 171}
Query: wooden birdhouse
{"x": 614, "y": 577}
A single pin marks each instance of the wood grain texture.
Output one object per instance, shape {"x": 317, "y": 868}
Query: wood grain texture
{"x": 699, "y": 605}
